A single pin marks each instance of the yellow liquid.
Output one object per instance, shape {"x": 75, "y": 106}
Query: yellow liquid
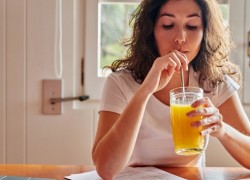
{"x": 187, "y": 139}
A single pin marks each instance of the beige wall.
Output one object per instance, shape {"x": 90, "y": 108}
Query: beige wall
{"x": 2, "y": 82}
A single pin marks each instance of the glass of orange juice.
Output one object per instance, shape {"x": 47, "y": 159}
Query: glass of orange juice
{"x": 187, "y": 139}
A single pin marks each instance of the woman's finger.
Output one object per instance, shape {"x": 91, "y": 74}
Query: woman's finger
{"x": 183, "y": 59}
{"x": 210, "y": 129}
{"x": 179, "y": 58}
{"x": 205, "y": 102}
{"x": 207, "y": 121}
{"x": 203, "y": 112}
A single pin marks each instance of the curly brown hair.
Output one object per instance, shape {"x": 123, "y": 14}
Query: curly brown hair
{"x": 212, "y": 60}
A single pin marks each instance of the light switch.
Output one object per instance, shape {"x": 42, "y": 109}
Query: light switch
{"x": 52, "y": 89}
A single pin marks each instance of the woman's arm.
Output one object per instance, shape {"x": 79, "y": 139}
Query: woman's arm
{"x": 229, "y": 123}
{"x": 236, "y": 137}
{"x": 116, "y": 137}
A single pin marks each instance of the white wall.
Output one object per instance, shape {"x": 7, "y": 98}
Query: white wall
{"x": 27, "y": 45}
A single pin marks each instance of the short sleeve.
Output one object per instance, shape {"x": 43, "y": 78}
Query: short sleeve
{"x": 113, "y": 97}
{"x": 225, "y": 90}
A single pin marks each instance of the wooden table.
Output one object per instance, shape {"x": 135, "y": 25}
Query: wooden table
{"x": 60, "y": 171}
{"x": 42, "y": 171}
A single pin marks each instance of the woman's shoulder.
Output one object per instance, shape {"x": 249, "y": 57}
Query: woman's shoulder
{"x": 224, "y": 90}
{"x": 120, "y": 85}
{"x": 120, "y": 74}
{"x": 122, "y": 77}
{"x": 227, "y": 85}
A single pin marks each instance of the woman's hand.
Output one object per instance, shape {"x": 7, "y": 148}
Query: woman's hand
{"x": 163, "y": 69}
{"x": 213, "y": 121}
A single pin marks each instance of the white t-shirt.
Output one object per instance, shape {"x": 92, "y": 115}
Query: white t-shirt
{"x": 154, "y": 145}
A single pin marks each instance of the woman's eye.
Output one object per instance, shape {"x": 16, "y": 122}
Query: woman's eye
{"x": 192, "y": 27}
{"x": 168, "y": 26}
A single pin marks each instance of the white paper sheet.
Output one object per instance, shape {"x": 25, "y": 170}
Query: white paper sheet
{"x": 145, "y": 173}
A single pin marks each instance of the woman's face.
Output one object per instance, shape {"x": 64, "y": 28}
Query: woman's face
{"x": 179, "y": 27}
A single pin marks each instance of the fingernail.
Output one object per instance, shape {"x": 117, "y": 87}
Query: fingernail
{"x": 188, "y": 115}
{"x": 204, "y": 132}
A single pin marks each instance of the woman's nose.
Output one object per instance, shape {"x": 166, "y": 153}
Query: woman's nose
{"x": 180, "y": 37}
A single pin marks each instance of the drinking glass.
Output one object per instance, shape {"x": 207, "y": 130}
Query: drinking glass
{"x": 187, "y": 139}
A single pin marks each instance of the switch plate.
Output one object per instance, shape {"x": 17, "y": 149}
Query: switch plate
{"x": 52, "y": 89}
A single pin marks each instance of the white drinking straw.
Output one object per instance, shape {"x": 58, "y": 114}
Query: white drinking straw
{"x": 182, "y": 80}
{"x": 182, "y": 85}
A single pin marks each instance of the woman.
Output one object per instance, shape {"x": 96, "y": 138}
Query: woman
{"x": 134, "y": 123}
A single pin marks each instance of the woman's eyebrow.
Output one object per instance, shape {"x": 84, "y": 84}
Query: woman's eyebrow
{"x": 172, "y": 15}
{"x": 167, "y": 14}
{"x": 194, "y": 15}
